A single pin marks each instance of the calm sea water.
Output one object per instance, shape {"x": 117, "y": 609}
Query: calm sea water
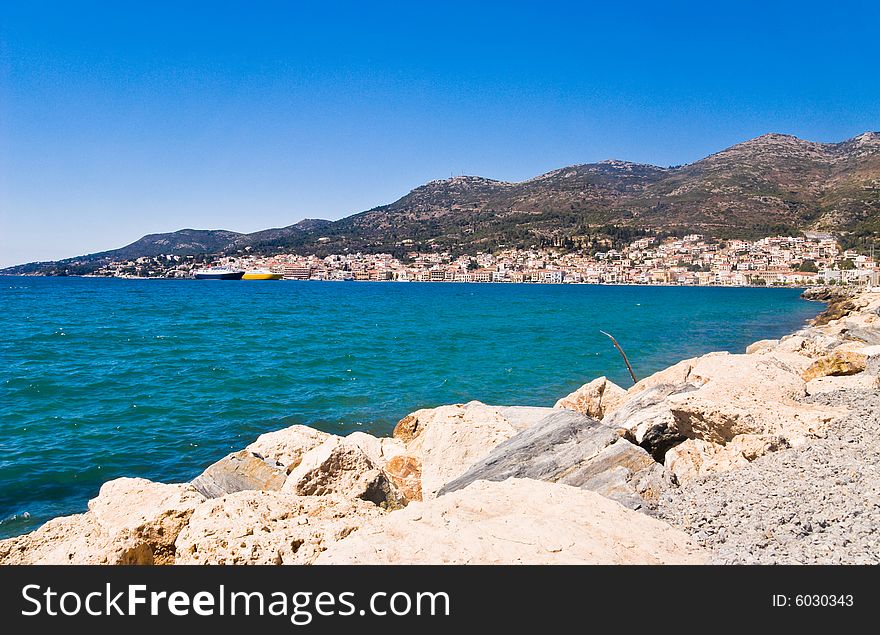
{"x": 101, "y": 378}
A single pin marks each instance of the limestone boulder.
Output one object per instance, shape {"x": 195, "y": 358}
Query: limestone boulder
{"x": 746, "y": 394}
{"x": 286, "y": 446}
{"x": 719, "y": 396}
{"x": 76, "y": 539}
{"x": 678, "y": 375}
{"x": 495, "y": 419}
{"x": 132, "y": 521}
{"x": 794, "y": 343}
{"x": 406, "y": 474}
{"x": 761, "y": 346}
{"x": 594, "y": 398}
{"x": 254, "y": 527}
{"x": 522, "y": 417}
{"x": 447, "y": 440}
{"x": 792, "y": 362}
{"x": 389, "y": 454}
{"x": 751, "y": 446}
{"x": 411, "y": 426}
{"x": 517, "y": 521}
{"x": 240, "y": 471}
{"x": 812, "y": 343}
{"x": 570, "y": 448}
{"x": 696, "y": 458}
{"x": 793, "y": 358}
{"x": 147, "y": 514}
{"x": 16, "y": 550}
{"x": 829, "y": 384}
{"x": 342, "y": 469}
{"x": 838, "y": 363}
{"x": 379, "y": 449}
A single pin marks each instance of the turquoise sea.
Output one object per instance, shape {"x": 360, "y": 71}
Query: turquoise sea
{"x": 101, "y": 378}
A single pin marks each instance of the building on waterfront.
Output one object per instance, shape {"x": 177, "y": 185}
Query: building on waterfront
{"x": 691, "y": 260}
{"x": 296, "y": 272}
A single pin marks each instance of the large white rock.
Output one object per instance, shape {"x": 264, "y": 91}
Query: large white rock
{"x": 678, "y": 375}
{"x": 447, "y": 440}
{"x": 761, "y": 346}
{"x": 379, "y": 449}
{"x": 286, "y": 446}
{"x": 594, "y": 398}
{"x": 862, "y": 381}
{"x": 746, "y": 394}
{"x": 719, "y": 396}
{"x": 517, "y": 521}
{"x": 76, "y": 539}
{"x": 132, "y": 521}
{"x": 253, "y": 527}
{"x": 339, "y": 468}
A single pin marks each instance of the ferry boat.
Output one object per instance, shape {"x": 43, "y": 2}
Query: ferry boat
{"x": 218, "y": 273}
{"x": 262, "y": 274}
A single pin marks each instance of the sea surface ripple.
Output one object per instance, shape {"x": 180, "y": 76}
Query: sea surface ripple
{"x": 101, "y": 378}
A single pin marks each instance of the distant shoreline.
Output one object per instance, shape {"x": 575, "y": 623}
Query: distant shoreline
{"x": 462, "y": 282}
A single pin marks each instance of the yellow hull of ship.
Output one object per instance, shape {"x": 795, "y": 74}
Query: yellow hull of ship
{"x": 262, "y": 276}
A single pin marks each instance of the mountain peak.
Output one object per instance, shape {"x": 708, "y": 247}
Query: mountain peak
{"x": 769, "y": 148}
{"x": 617, "y": 163}
{"x": 465, "y": 180}
{"x": 776, "y": 137}
{"x": 778, "y": 141}
{"x": 866, "y": 138}
{"x": 312, "y": 223}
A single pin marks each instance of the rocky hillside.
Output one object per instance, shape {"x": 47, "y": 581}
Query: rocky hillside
{"x": 772, "y": 184}
{"x": 775, "y": 183}
{"x": 185, "y": 242}
{"x": 179, "y": 243}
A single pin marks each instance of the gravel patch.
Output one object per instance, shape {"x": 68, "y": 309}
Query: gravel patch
{"x": 819, "y": 504}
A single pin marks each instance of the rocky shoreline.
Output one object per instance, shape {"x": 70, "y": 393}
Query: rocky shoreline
{"x": 770, "y": 456}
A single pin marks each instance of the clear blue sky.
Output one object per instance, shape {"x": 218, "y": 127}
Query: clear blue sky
{"x": 124, "y": 118}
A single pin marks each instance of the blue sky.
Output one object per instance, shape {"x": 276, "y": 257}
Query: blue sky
{"x": 120, "y": 119}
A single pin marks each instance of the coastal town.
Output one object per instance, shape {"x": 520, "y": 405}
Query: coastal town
{"x": 813, "y": 258}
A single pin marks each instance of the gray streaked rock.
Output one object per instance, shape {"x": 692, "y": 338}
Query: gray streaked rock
{"x": 239, "y": 471}
{"x": 565, "y": 447}
{"x": 868, "y": 336}
{"x": 542, "y": 452}
{"x": 621, "y": 471}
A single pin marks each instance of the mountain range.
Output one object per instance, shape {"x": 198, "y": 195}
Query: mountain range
{"x": 773, "y": 184}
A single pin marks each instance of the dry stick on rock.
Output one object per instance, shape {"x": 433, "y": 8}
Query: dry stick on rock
{"x": 622, "y": 354}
